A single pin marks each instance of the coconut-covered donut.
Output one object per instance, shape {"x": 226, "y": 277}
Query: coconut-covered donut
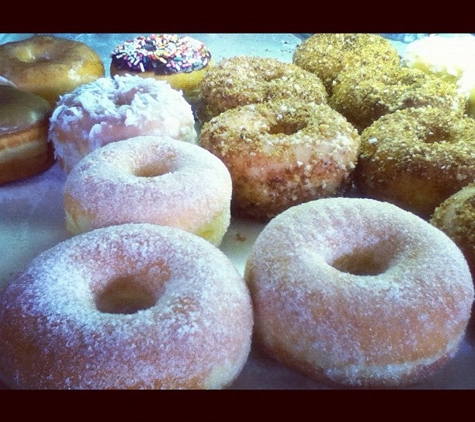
{"x": 359, "y": 293}
{"x": 150, "y": 179}
{"x": 326, "y": 55}
{"x": 242, "y": 80}
{"x": 282, "y": 153}
{"x": 180, "y": 60}
{"x": 112, "y": 109}
{"x": 49, "y": 66}
{"x": 134, "y": 306}
{"x": 416, "y": 158}
{"x": 456, "y": 218}
{"x": 24, "y": 122}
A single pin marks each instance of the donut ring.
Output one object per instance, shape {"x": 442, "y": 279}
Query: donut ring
{"x": 282, "y": 153}
{"x": 112, "y": 109}
{"x": 49, "y": 66}
{"x": 359, "y": 293}
{"x": 416, "y": 158}
{"x": 150, "y": 179}
{"x": 243, "y": 80}
{"x": 135, "y": 306}
{"x": 456, "y": 218}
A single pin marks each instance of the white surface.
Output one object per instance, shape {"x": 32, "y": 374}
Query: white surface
{"x": 32, "y": 220}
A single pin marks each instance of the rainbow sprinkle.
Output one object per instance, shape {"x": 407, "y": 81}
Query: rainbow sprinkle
{"x": 163, "y": 54}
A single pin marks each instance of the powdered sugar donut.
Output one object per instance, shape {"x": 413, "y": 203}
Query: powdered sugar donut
{"x": 135, "y": 306}
{"x": 112, "y": 109}
{"x": 358, "y": 292}
{"x": 150, "y": 179}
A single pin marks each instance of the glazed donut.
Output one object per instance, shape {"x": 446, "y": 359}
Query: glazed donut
{"x": 449, "y": 58}
{"x": 150, "y": 179}
{"x": 134, "y": 306}
{"x": 416, "y": 158}
{"x": 180, "y": 60}
{"x": 456, "y": 218}
{"x": 243, "y": 80}
{"x": 111, "y": 109}
{"x": 327, "y": 55}
{"x": 24, "y": 121}
{"x": 282, "y": 153}
{"x": 49, "y": 66}
{"x": 358, "y": 293}
{"x": 363, "y": 95}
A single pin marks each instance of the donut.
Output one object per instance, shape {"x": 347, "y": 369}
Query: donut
{"x": 282, "y": 153}
{"x": 449, "y": 58}
{"x": 24, "y": 122}
{"x": 111, "y": 109}
{"x": 150, "y": 179}
{"x": 49, "y": 66}
{"x": 456, "y": 218}
{"x": 416, "y": 158}
{"x": 357, "y": 293}
{"x": 135, "y": 306}
{"x": 242, "y": 80}
{"x": 326, "y": 55}
{"x": 363, "y": 95}
{"x": 180, "y": 60}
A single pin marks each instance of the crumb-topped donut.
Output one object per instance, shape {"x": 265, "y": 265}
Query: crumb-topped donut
{"x": 327, "y": 55}
{"x": 112, "y": 109}
{"x": 150, "y": 179}
{"x": 180, "y": 60}
{"x": 49, "y": 66}
{"x": 363, "y": 94}
{"x": 24, "y": 122}
{"x": 282, "y": 153}
{"x": 359, "y": 293}
{"x": 416, "y": 158}
{"x": 134, "y": 306}
{"x": 456, "y": 218}
{"x": 242, "y": 80}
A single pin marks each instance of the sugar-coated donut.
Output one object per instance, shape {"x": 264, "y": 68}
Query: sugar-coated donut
{"x": 416, "y": 158}
{"x": 363, "y": 94}
{"x": 242, "y": 80}
{"x": 49, "y": 66}
{"x": 359, "y": 293}
{"x": 282, "y": 153}
{"x": 456, "y": 218}
{"x": 112, "y": 109}
{"x": 150, "y": 179}
{"x": 327, "y": 55}
{"x": 134, "y": 306}
{"x": 24, "y": 121}
{"x": 180, "y": 60}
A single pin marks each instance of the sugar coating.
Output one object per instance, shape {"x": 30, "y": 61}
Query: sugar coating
{"x": 112, "y": 109}
{"x": 358, "y": 292}
{"x": 196, "y": 335}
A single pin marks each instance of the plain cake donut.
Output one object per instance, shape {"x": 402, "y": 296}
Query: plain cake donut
{"x": 150, "y": 179}
{"x": 134, "y": 306}
{"x": 360, "y": 293}
{"x": 282, "y": 153}
{"x": 112, "y": 109}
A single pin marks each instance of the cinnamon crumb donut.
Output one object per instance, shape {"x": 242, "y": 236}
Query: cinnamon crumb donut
{"x": 243, "y": 80}
{"x": 326, "y": 55}
{"x": 134, "y": 306}
{"x": 416, "y": 158}
{"x": 360, "y": 293}
{"x": 112, "y": 109}
{"x": 150, "y": 179}
{"x": 281, "y": 153}
{"x": 456, "y": 218}
{"x": 49, "y": 66}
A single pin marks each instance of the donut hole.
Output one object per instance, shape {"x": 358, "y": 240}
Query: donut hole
{"x": 125, "y": 295}
{"x": 286, "y": 128}
{"x": 363, "y": 261}
{"x": 435, "y": 134}
{"x": 150, "y": 170}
